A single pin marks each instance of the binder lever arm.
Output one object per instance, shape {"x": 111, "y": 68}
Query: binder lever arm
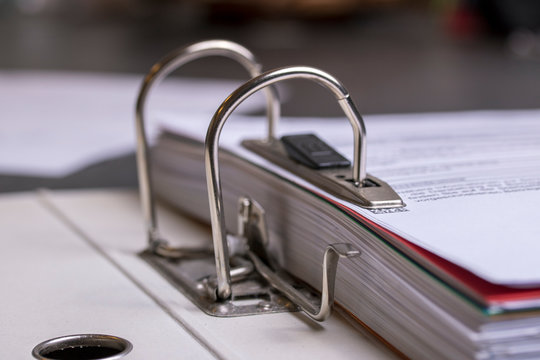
{"x": 331, "y": 258}
{"x": 251, "y": 215}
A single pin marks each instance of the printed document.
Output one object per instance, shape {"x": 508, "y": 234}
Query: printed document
{"x": 471, "y": 181}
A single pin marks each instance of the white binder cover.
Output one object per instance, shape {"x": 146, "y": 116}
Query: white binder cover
{"x": 70, "y": 266}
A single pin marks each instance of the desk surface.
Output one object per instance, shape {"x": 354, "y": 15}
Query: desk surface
{"x": 70, "y": 266}
{"x": 391, "y": 62}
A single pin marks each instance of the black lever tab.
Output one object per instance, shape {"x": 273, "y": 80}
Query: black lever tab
{"x": 310, "y": 150}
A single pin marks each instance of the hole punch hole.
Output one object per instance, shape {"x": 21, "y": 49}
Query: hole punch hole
{"x": 82, "y": 347}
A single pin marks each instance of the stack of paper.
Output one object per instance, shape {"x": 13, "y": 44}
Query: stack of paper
{"x": 454, "y": 274}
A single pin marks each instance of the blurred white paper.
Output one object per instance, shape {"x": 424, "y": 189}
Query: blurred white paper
{"x": 54, "y": 123}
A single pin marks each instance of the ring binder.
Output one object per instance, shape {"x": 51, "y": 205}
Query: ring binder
{"x": 176, "y": 263}
{"x": 255, "y": 276}
{"x": 212, "y": 164}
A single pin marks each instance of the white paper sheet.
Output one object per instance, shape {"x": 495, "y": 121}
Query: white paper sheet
{"x": 471, "y": 182}
{"x": 54, "y": 123}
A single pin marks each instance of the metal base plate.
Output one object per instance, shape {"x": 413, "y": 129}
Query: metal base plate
{"x": 251, "y": 296}
{"x": 375, "y": 194}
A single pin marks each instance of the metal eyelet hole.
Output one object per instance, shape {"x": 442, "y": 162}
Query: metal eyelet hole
{"x": 83, "y": 347}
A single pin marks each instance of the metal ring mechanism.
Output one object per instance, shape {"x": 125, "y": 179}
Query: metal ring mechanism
{"x": 220, "y": 237}
{"x": 158, "y": 72}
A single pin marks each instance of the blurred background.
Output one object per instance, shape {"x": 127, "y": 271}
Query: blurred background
{"x": 394, "y": 56}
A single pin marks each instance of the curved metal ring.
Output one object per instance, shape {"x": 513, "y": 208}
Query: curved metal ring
{"x": 158, "y": 72}
{"x": 212, "y": 142}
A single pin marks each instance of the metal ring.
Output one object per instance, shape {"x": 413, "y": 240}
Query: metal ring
{"x": 158, "y": 72}
{"x": 212, "y": 143}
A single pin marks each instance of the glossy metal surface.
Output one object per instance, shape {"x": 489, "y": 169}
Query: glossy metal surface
{"x": 212, "y": 143}
{"x": 258, "y": 285}
{"x": 374, "y": 194}
{"x": 251, "y": 294}
{"x": 158, "y": 72}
